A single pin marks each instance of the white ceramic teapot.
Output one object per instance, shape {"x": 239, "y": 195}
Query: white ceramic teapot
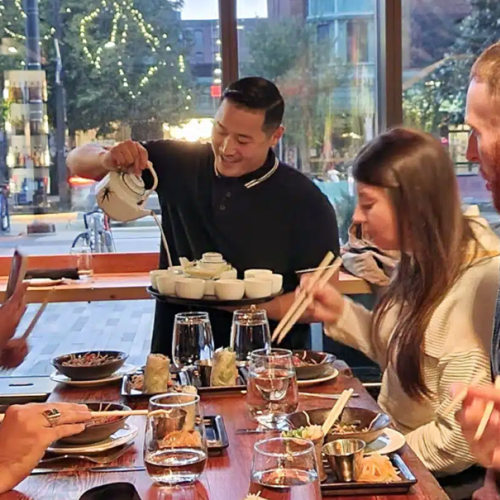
{"x": 122, "y": 196}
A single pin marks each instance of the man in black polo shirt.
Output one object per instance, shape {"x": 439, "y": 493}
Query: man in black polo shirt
{"x": 234, "y": 197}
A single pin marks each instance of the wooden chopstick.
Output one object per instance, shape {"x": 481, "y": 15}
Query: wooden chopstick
{"x": 324, "y": 396}
{"x": 97, "y": 414}
{"x": 324, "y": 279}
{"x": 319, "y": 395}
{"x": 38, "y": 314}
{"x": 302, "y": 295}
{"x": 312, "y": 269}
{"x": 486, "y": 415}
{"x": 459, "y": 397}
{"x": 336, "y": 411}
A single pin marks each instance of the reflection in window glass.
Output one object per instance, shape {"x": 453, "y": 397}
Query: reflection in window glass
{"x": 327, "y": 77}
{"x": 130, "y": 69}
{"x": 440, "y": 42}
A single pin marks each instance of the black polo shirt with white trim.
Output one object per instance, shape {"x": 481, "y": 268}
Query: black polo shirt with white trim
{"x": 273, "y": 218}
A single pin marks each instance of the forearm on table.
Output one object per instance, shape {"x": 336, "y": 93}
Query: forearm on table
{"x": 85, "y": 161}
{"x": 440, "y": 444}
{"x": 442, "y": 450}
{"x": 278, "y": 307}
{"x": 9, "y": 478}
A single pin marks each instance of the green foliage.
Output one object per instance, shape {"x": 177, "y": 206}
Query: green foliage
{"x": 344, "y": 209}
{"x": 444, "y": 90}
{"x": 96, "y": 98}
{"x": 307, "y": 74}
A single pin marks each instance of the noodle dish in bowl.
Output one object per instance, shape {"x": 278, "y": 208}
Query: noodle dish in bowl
{"x": 90, "y": 365}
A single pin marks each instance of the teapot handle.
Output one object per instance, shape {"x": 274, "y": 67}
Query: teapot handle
{"x": 155, "y": 178}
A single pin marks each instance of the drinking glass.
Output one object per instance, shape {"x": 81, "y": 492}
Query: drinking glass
{"x": 250, "y": 331}
{"x": 83, "y": 256}
{"x": 175, "y": 443}
{"x": 272, "y": 386}
{"x": 193, "y": 340}
{"x": 285, "y": 469}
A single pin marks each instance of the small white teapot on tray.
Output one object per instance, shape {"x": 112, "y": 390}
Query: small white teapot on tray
{"x": 122, "y": 196}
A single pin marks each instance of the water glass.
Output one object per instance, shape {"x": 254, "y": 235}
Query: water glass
{"x": 272, "y": 390}
{"x": 83, "y": 261}
{"x": 250, "y": 331}
{"x": 193, "y": 339}
{"x": 285, "y": 469}
{"x": 175, "y": 443}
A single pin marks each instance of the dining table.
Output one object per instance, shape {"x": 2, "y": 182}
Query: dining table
{"x": 227, "y": 475}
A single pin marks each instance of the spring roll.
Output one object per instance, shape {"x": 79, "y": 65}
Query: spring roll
{"x": 156, "y": 374}
{"x": 224, "y": 371}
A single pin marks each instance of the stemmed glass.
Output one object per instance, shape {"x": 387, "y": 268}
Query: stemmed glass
{"x": 250, "y": 331}
{"x": 272, "y": 390}
{"x": 192, "y": 340}
{"x": 285, "y": 469}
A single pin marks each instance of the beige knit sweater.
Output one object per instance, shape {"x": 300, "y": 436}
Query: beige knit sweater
{"x": 457, "y": 345}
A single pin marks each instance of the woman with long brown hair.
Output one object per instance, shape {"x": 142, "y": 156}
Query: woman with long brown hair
{"x": 432, "y": 325}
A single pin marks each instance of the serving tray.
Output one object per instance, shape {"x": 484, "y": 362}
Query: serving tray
{"x": 209, "y": 300}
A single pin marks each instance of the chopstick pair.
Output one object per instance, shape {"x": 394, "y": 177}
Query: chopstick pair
{"x": 98, "y": 414}
{"x": 335, "y": 412}
{"x": 320, "y": 278}
{"x": 486, "y": 415}
{"x": 460, "y": 396}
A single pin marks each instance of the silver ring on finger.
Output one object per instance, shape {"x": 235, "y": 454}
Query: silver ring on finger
{"x": 52, "y": 416}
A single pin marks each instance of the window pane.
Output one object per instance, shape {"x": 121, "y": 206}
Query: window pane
{"x": 440, "y": 42}
{"x": 327, "y": 77}
{"x": 141, "y": 69}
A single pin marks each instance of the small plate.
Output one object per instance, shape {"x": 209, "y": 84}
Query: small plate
{"x": 126, "y": 369}
{"x": 44, "y": 282}
{"x": 316, "y": 381}
{"x": 389, "y": 442}
{"x": 119, "y": 438}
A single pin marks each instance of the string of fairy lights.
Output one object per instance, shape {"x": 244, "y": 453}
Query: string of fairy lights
{"x": 124, "y": 13}
{"x": 19, "y": 36}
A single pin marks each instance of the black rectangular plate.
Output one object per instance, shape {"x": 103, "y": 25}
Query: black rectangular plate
{"x": 21, "y": 390}
{"x": 217, "y": 439}
{"x": 184, "y": 378}
{"x": 332, "y": 487}
{"x": 188, "y": 378}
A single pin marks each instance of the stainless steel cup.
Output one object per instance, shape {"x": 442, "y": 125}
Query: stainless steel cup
{"x": 345, "y": 458}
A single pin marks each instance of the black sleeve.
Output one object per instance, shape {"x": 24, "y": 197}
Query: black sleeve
{"x": 170, "y": 159}
{"x": 315, "y": 230}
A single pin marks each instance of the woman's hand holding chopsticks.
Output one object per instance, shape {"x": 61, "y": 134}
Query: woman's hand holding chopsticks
{"x": 327, "y": 305}
{"x": 486, "y": 446}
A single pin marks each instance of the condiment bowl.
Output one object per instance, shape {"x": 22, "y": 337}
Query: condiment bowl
{"x": 190, "y": 288}
{"x": 166, "y": 284}
{"x": 229, "y": 289}
{"x": 253, "y": 273}
{"x": 257, "y": 288}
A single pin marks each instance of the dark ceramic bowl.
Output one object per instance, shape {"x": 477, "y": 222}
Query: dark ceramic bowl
{"x": 321, "y": 364}
{"x": 349, "y": 415}
{"x": 90, "y": 372}
{"x": 98, "y": 432}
